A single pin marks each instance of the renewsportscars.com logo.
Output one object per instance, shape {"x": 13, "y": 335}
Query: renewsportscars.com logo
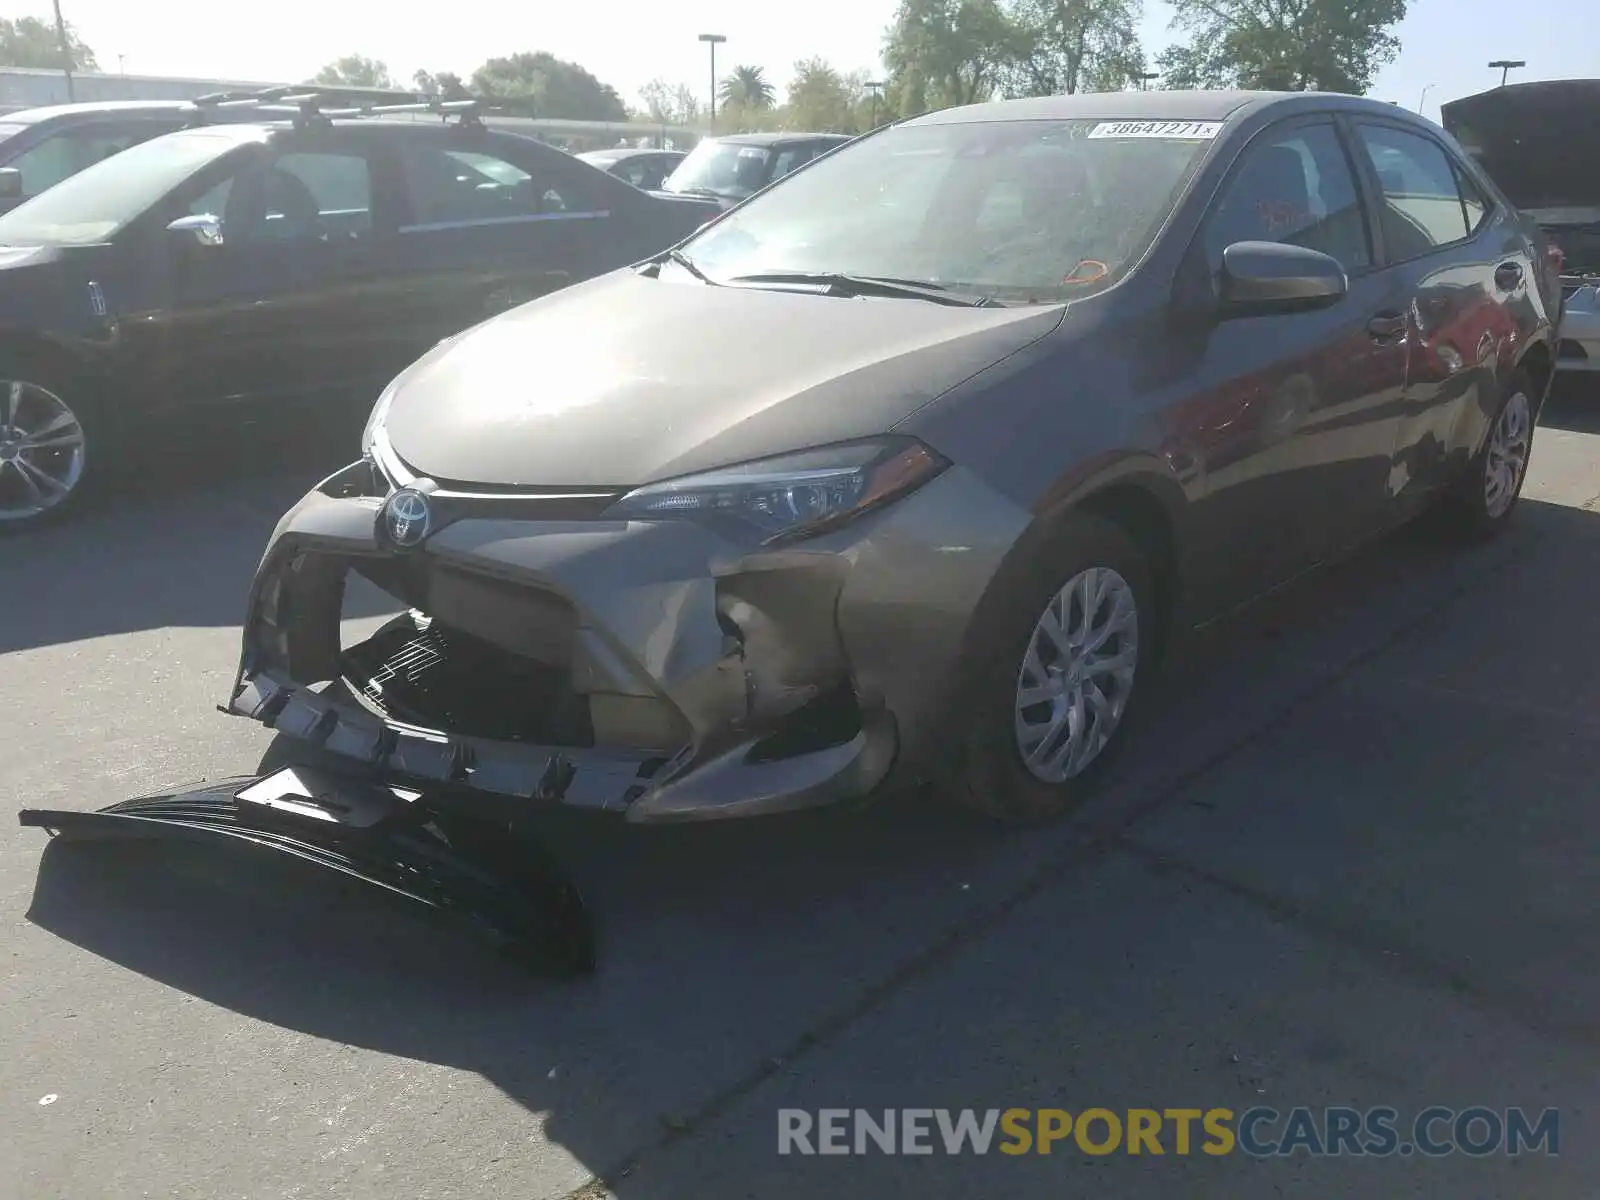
{"x": 1259, "y": 1132}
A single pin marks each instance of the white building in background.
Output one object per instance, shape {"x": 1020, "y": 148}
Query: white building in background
{"x": 22, "y": 87}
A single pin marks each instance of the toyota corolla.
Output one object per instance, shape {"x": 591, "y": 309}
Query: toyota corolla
{"x": 865, "y": 482}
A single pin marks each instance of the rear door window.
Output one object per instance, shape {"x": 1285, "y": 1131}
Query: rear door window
{"x": 643, "y": 171}
{"x": 1423, "y": 206}
{"x": 1473, "y": 200}
{"x": 791, "y": 157}
{"x": 300, "y": 196}
{"x": 451, "y": 187}
{"x": 634, "y": 170}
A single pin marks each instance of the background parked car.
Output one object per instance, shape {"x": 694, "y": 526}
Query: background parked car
{"x": 39, "y": 147}
{"x": 273, "y": 262}
{"x": 646, "y": 169}
{"x": 728, "y": 169}
{"x": 1537, "y": 141}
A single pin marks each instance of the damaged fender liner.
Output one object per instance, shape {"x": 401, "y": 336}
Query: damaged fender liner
{"x": 395, "y": 839}
{"x": 586, "y": 778}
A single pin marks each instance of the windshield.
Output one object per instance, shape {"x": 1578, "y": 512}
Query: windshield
{"x": 724, "y": 169}
{"x": 1022, "y": 211}
{"x": 94, "y": 204}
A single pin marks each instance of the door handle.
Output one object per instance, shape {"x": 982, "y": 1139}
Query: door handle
{"x": 1387, "y": 326}
{"x": 1508, "y": 276}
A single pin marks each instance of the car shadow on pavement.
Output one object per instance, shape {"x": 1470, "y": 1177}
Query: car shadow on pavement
{"x": 1574, "y": 404}
{"x": 174, "y": 544}
{"x": 726, "y": 950}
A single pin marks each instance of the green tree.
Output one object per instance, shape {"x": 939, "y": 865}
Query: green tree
{"x": 549, "y": 87}
{"x": 31, "y": 42}
{"x": 947, "y": 52}
{"x": 1063, "y": 47}
{"x": 445, "y": 84}
{"x": 820, "y": 99}
{"x": 1282, "y": 45}
{"x": 669, "y": 104}
{"x": 747, "y": 88}
{"x": 354, "y": 70}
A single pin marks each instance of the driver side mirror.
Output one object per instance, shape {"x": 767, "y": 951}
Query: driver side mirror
{"x": 200, "y": 229}
{"x": 1265, "y": 278}
{"x": 10, "y": 183}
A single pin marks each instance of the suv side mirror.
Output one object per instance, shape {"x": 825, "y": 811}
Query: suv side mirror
{"x": 204, "y": 229}
{"x": 10, "y": 183}
{"x": 1262, "y": 278}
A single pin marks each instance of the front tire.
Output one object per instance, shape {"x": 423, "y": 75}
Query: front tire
{"x": 1073, "y": 639}
{"x": 1487, "y": 494}
{"x": 46, "y": 465}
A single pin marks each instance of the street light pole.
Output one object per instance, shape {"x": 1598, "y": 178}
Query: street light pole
{"x": 875, "y": 86}
{"x": 1505, "y": 65}
{"x": 712, "y": 41}
{"x": 66, "y": 52}
{"x": 1144, "y": 79}
{"x": 1423, "y": 98}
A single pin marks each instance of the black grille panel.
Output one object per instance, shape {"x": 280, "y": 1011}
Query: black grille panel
{"x": 428, "y": 675}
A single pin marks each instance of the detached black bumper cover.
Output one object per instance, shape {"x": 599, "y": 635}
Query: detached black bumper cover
{"x": 390, "y": 837}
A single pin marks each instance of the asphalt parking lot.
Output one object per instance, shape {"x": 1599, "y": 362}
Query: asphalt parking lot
{"x": 1350, "y": 860}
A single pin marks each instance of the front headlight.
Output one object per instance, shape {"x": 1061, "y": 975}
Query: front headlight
{"x": 380, "y": 410}
{"x": 794, "y": 495}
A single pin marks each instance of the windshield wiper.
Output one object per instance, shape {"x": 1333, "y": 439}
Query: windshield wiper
{"x": 687, "y": 263}
{"x": 870, "y": 285}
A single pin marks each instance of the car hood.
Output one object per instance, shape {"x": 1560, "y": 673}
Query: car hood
{"x": 627, "y": 379}
{"x": 721, "y": 200}
{"x": 1538, "y": 141}
{"x": 705, "y": 204}
{"x": 21, "y": 258}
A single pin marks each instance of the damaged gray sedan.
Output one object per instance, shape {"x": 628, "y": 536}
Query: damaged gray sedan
{"x": 909, "y": 466}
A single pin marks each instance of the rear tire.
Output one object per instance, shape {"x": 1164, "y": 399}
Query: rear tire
{"x": 1483, "y": 501}
{"x": 1064, "y": 661}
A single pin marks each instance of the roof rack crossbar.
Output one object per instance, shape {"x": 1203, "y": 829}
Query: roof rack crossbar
{"x": 307, "y": 102}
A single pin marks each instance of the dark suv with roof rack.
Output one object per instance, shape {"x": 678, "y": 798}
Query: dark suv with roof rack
{"x": 307, "y": 256}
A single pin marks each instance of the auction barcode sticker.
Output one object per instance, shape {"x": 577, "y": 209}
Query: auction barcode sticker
{"x": 1204, "y": 130}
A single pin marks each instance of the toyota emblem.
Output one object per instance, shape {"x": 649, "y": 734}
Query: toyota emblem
{"x": 406, "y": 518}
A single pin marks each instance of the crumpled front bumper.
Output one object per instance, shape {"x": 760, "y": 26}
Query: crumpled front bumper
{"x": 719, "y": 680}
{"x": 1578, "y": 343}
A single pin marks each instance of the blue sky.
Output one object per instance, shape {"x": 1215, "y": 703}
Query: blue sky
{"x": 1445, "y": 43}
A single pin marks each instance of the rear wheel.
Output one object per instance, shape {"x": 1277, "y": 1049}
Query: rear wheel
{"x": 1068, "y": 656}
{"x": 45, "y": 462}
{"x": 1487, "y": 494}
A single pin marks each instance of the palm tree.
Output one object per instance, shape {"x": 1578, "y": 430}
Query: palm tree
{"x": 747, "y": 87}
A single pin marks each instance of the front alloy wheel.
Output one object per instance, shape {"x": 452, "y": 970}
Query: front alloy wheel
{"x": 1077, "y": 675}
{"x": 1061, "y": 649}
{"x": 42, "y": 451}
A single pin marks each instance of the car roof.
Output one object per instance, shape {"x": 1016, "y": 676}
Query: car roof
{"x": 775, "y": 139}
{"x": 30, "y": 116}
{"x": 245, "y": 131}
{"x": 232, "y": 131}
{"x": 618, "y": 153}
{"x": 1150, "y": 106}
